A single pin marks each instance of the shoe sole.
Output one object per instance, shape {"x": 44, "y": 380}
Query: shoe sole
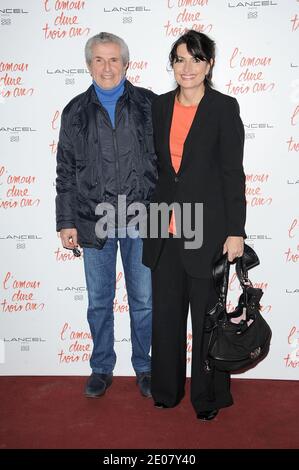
{"x": 146, "y": 396}
{"x": 94, "y": 396}
{"x": 143, "y": 394}
{"x": 208, "y": 418}
{"x": 88, "y": 395}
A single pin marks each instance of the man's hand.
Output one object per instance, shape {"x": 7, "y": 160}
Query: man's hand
{"x": 234, "y": 247}
{"x": 69, "y": 237}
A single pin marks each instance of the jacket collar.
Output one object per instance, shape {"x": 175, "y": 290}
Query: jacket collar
{"x": 199, "y": 117}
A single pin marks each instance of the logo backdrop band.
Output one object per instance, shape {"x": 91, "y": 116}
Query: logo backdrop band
{"x": 43, "y": 298}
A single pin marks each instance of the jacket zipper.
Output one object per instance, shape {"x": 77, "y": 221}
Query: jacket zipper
{"x": 119, "y": 106}
{"x": 115, "y": 146}
{"x": 116, "y": 160}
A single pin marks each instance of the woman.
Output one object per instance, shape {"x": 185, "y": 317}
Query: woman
{"x": 199, "y": 140}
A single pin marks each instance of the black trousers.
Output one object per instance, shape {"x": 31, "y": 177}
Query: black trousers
{"x": 173, "y": 291}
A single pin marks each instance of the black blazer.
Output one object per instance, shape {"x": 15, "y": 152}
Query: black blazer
{"x": 211, "y": 172}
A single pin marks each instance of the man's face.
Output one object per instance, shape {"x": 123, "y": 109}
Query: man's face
{"x": 106, "y": 67}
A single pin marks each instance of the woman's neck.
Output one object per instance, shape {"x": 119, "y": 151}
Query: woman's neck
{"x": 191, "y": 97}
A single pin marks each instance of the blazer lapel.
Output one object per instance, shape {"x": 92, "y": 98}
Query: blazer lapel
{"x": 167, "y": 123}
{"x": 199, "y": 119}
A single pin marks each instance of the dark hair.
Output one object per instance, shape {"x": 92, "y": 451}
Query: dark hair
{"x": 200, "y": 46}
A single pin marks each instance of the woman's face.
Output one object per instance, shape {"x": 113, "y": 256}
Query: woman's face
{"x": 188, "y": 71}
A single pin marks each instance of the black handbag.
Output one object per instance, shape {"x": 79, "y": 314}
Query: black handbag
{"x": 241, "y": 338}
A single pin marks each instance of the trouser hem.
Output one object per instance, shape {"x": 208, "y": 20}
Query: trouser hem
{"x": 102, "y": 371}
{"x": 215, "y": 405}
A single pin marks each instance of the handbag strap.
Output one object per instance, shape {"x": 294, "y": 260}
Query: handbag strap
{"x": 242, "y": 272}
{"x": 221, "y": 271}
{"x": 223, "y": 287}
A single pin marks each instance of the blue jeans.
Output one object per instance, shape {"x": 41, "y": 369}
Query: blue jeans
{"x": 100, "y": 273}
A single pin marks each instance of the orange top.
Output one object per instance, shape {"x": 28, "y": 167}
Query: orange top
{"x": 182, "y": 119}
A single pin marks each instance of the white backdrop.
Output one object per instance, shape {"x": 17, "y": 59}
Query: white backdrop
{"x": 43, "y": 297}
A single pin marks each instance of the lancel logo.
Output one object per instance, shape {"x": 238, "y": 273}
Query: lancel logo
{"x": 12, "y": 236}
{"x": 258, "y": 125}
{"x": 17, "y": 129}
{"x": 24, "y": 340}
{"x": 75, "y": 289}
{"x": 71, "y": 71}
{"x": 292, "y": 291}
{"x": 128, "y": 9}
{"x": 258, "y": 236}
{"x": 252, "y": 4}
{"x": 11, "y": 11}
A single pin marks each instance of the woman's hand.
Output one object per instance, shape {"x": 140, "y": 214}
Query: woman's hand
{"x": 234, "y": 247}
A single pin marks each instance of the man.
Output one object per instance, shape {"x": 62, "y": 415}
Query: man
{"x": 105, "y": 151}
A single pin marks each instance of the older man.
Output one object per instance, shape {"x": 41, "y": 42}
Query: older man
{"x": 105, "y": 151}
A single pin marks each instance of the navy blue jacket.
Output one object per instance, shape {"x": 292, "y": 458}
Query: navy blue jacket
{"x": 96, "y": 163}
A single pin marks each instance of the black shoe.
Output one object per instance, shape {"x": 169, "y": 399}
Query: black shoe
{"x": 207, "y": 415}
{"x": 157, "y": 404}
{"x": 144, "y": 382}
{"x": 97, "y": 385}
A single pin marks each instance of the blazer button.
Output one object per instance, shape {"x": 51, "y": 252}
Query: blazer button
{"x": 176, "y": 179}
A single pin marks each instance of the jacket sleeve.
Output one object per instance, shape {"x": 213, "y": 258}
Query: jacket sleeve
{"x": 233, "y": 177}
{"x": 66, "y": 180}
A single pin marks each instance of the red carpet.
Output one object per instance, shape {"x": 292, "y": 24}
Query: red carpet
{"x": 52, "y": 413}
